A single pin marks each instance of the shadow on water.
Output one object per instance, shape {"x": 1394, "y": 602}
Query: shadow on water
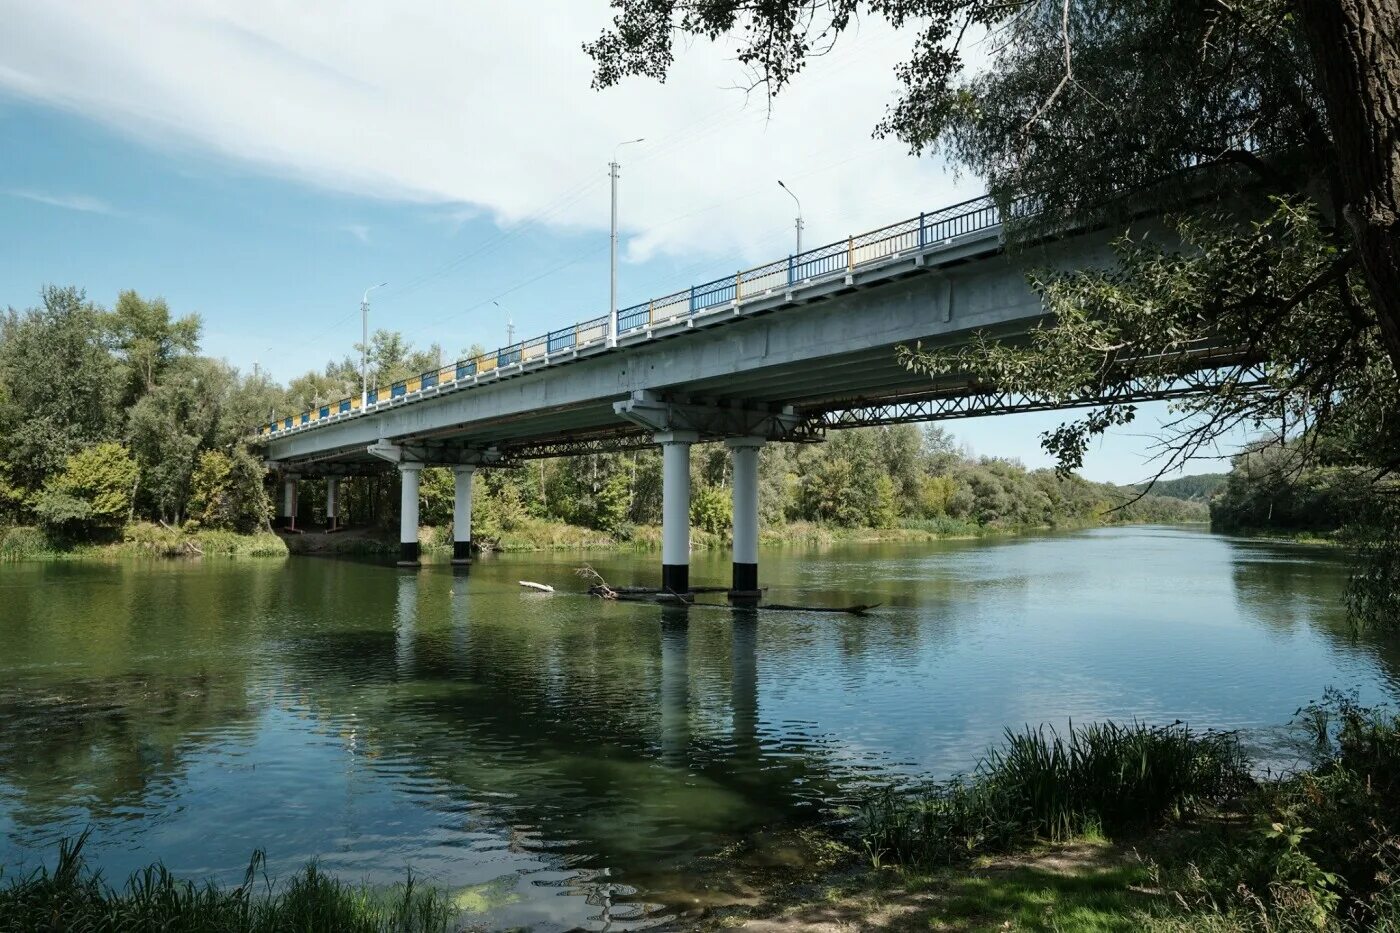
{"x": 570, "y": 760}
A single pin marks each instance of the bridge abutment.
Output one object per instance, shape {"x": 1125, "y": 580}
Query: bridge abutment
{"x": 743, "y": 452}
{"x": 409, "y": 473}
{"x": 462, "y": 475}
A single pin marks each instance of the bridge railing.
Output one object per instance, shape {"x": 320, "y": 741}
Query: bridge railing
{"x": 927, "y": 231}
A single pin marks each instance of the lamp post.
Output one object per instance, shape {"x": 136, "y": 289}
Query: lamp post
{"x": 364, "y": 345}
{"x": 799, "y": 216}
{"x": 612, "y": 289}
{"x": 510, "y": 324}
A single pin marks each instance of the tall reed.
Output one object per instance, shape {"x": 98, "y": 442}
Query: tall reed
{"x": 1101, "y": 778}
{"x": 74, "y": 897}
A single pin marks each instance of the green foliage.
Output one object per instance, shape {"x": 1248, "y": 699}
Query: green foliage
{"x": 1201, "y": 487}
{"x": 227, "y": 492}
{"x": 61, "y": 387}
{"x": 73, "y": 896}
{"x": 1038, "y": 785}
{"x": 1319, "y": 849}
{"x": 23, "y": 543}
{"x": 149, "y": 340}
{"x": 712, "y": 510}
{"x": 92, "y": 496}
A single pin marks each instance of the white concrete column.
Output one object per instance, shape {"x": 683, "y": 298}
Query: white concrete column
{"x": 408, "y": 513}
{"x": 332, "y": 502}
{"x": 462, "y": 513}
{"x": 743, "y": 452}
{"x": 675, "y": 509}
{"x": 289, "y": 502}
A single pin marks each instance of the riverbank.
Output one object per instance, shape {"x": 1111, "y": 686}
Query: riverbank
{"x": 538, "y": 535}
{"x": 150, "y": 540}
{"x": 1126, "y": 828}
{"x": 141, "y": 539}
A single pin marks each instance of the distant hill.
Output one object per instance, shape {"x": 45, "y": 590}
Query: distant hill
{"x": 1198, "y": 488}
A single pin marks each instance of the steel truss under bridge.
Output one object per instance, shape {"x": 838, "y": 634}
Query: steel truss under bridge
{"x": 976, "y": 404}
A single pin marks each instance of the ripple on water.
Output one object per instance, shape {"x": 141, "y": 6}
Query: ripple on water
{"x": 560, "y": 762}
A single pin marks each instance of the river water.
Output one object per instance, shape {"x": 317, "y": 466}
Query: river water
{"x": 563, "y": 762}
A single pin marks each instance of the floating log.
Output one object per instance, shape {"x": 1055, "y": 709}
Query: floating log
{"x": 543, "y": 588}
{"x": 850, "y": 610}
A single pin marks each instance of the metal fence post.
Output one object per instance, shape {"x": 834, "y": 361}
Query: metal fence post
{"x": 692, "y": 299}
{"x": 791, "y": 270}
{"x": 921, "y": 229}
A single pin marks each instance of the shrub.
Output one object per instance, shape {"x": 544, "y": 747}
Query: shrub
{"x": 92, "y": 496}
{"x": 23, "y": 543}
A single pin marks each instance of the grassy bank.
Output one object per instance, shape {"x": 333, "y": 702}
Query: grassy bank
{"x": 542, "y": 535}
{"x": 1129, "y": 828}
{"x": 141, "y": 539}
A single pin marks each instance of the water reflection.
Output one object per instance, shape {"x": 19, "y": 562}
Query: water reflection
{"x": 572, "y": 761}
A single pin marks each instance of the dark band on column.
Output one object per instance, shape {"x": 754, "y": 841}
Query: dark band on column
{"x": 745, "y": 577}
{"x": 408, "y": 553}
{"x": 461, "y": 551}
{"x": 675, "y": 577}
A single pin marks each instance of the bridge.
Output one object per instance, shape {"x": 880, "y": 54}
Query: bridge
{"x": 778, "y": 353}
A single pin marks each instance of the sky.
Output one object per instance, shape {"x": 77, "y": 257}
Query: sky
{"x": 263, "y": 162}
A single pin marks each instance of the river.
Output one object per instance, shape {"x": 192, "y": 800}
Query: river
{"x": 566, "y": 762}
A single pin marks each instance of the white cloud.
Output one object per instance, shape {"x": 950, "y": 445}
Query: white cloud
{"x": 71, "y": 202}
{"x": 358, "y": 231}
{"x": 479, "y": 105}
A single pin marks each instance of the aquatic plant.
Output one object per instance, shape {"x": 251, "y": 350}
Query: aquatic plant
{"x": 73, "y": 896}
{"x": 1102, "y": 778}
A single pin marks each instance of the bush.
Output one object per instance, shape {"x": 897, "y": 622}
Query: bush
{"x": 23, "y": 543}
{"x": 92, "y": 496}
{"x": 1319, "y": 850}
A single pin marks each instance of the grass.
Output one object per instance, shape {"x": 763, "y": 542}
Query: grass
{"x": 73, "y": 896}
{"x": 1105, "y": 899}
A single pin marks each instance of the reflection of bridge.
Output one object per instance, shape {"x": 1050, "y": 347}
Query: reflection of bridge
{"x": 781, "y": 352}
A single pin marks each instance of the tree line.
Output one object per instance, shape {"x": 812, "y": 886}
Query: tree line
{"x": 110, "y": 417}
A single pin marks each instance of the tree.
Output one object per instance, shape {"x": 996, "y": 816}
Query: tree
{"x": 92, "y": 496}
{"x": 149, "y": 340}
{"x": 169, "y": 426}
{"x": 1090, "y": 104}
{"x": 61, "y": 386}
{"x": 227, "y": 492}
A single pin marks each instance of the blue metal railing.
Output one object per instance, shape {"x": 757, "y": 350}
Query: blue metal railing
{"x": 927, "y": 231}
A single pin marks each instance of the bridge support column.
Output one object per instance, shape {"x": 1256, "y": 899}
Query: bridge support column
{"x": 408, "y": 514}
{"x": 675, "y": 509}
{"x": 289, "y": 502}
{"x": 743, "y": 452}
{"x": 332, "y": 503}
{"x": 462, "y": 513}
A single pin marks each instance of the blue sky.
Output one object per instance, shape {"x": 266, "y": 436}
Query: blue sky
{"x": 262, "y": 165}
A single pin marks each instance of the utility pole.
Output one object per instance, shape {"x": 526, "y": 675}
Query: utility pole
{"x": 612, "y": 290}
{"x": 364, "y": 345}
{"x": 799, "y": 216}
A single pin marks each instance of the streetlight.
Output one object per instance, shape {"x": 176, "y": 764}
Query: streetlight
{"x": 364, "y": 346}
{"x": 799, "y": 216}
{"x": 510, "y": 324}
{"x": 612, "y": 291}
